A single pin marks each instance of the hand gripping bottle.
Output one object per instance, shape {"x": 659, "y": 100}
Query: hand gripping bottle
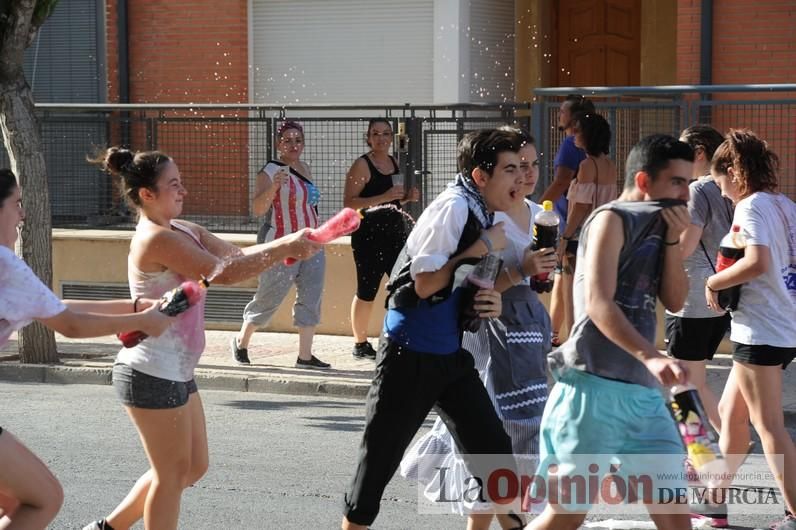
{"x": 483, "y": 276}
{"x": 545, "y": 230}
{"x": 699, "y": 437}
{"x": 344, "y": 222}
{"x": 731, "y": 249}
{"x": 174, "y": 302}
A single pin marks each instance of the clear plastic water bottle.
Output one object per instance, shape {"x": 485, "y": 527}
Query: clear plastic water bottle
{"x": 700, "y": 439}
{"x": 731, "y": 249}
{"x": 483, "y": 276}
{"x": 485, "y": 272}
{"x": 545, "y": 230}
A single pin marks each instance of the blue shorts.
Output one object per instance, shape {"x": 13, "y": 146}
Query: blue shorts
{"x": 593, "y": 426}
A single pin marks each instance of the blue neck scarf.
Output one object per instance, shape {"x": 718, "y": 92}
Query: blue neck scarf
{"x": 464, "y": 187}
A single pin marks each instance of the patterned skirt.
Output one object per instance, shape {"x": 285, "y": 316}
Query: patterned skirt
{"x": 510, "y": 356}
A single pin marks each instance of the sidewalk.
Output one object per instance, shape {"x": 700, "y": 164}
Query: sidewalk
{"x": 273, "y": 356}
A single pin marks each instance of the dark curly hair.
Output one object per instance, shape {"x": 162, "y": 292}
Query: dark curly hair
{"x": 754, "y": 163}
{"x": 136, "y": 169}
{"x": 596, "y": 132}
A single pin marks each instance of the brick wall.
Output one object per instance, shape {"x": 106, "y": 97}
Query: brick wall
{"x": 688, "y": 13}
{"x": 753, "y": 43}
{"x": 183, "y": 51}
{"x": 191, "y": 51}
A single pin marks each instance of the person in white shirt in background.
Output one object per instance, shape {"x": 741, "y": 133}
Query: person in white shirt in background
{"x": 763, "y": 328}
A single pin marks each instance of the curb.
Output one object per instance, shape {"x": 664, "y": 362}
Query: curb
{"x": 206, "y": 379}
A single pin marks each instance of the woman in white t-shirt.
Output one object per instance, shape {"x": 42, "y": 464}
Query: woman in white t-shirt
{"x": 30, "y": 496}
{"x": 763, "y": 329}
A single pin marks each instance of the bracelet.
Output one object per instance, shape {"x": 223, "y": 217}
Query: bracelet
{"x": 565, "y": 238}
{"x": 511, "y": 278}
{"x": 487, "y": 242}
{"x": 671, "y": 243}
{"x": 708, "y": 287}
{"x": 135, "y": 304}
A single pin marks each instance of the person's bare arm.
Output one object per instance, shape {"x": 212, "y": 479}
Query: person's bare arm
{"x": 428, "y": 283}
{"x": 557, "y": 188}
{"x": 109, "y": 307}
{"x": 673, "y": 288}
{"x": 533, "y": 262}
{"x": 355, "y": 181}
{"x": 601, "y": 266}
{"x": 755, "y": 261}
{"x": 689, "y": 239}
{"x": 265, "y": 190}
{"x": 73, "y": 324}
{"x": 222, "y": 262}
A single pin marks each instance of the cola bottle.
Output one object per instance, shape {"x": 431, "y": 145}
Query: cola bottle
{"x": 699, "y": 437}
{"x": 731, "y": 249}
{"x": 174, "y": 302}
{"x": 545, "y": 230}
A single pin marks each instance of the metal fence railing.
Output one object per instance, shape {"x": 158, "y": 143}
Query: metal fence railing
{"x": 633, "y": 112}
{"x": 220, "y": 148}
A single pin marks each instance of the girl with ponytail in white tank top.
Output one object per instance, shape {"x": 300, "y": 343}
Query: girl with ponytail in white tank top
{"x": 154, "y": 379}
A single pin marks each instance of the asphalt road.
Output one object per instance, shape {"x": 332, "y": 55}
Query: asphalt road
{"x": 276, "y": 461}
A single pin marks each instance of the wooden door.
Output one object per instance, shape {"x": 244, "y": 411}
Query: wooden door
{"x": 599, "y": 43}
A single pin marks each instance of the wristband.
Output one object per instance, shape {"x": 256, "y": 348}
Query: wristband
{"x": 135, "y": 304}
{"x": 487, "y": 242}
{"x": 671, "y": 243}
{"x": 565, "y": 238}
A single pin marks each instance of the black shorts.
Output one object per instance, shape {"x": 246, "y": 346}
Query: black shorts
{"x": 695, "y": 339}
{"x": 376, "y": 245}
{"x": 762, "y": 355}
{"x": 139, "y": 390}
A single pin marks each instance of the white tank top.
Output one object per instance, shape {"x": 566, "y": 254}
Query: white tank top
{"x": 175, "y": 354}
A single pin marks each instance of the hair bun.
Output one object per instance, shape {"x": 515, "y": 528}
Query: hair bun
{"x": 119, "y": 160}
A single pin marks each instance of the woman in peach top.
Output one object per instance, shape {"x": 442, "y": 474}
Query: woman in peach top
{"x": 594, "y": 186}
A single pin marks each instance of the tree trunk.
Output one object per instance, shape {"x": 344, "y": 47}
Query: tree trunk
{"x": 23, "y": 142}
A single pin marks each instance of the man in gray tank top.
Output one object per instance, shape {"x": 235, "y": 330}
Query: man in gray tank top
{"x": 607, "y": 408}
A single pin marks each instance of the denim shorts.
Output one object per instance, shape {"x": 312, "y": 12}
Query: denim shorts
{"x": 139, "y": 390}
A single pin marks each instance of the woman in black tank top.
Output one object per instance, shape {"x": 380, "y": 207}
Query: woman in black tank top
{"x": 383, "y": 231}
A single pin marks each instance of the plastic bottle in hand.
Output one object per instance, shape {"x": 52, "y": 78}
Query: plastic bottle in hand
{"x": 545, "y": 229}
{"x": 731, "y": 249}
{"x": 343, "y": 223}
{"x": 700, "y": 439}
{"x": 174, "y": 302}
{"x": 483, "y": 276}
